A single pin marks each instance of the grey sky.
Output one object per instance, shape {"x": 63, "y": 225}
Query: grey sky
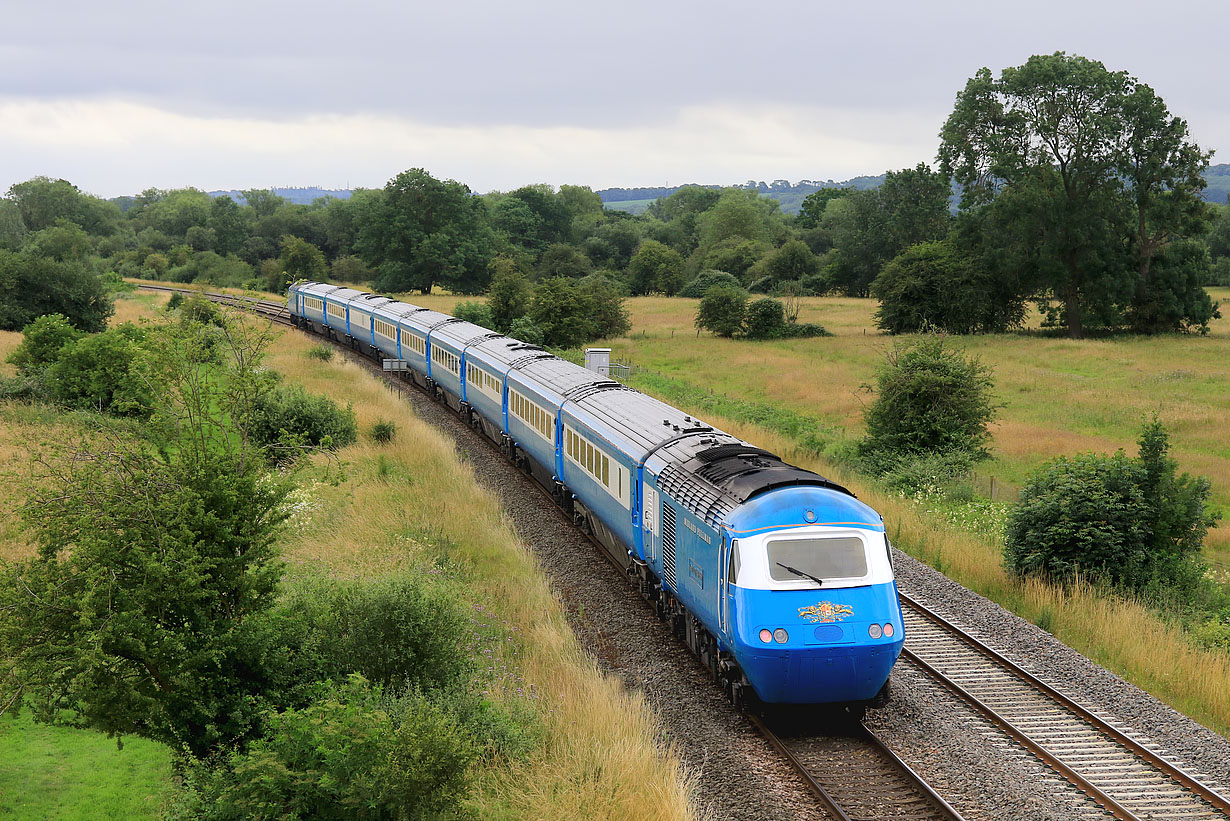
{"x": 117, "y": 98}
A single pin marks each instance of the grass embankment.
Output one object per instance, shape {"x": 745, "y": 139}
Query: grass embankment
{"x": 59, "y": 772}
{"x": 1061, "y": 397}
{"x": 407, "y": 504}
{"x": 413, "y": 501}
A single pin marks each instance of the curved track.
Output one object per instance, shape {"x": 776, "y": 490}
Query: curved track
{"x": 1127, "y": 779}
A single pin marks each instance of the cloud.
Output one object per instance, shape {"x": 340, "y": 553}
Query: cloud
{"x": 112, "y": 147}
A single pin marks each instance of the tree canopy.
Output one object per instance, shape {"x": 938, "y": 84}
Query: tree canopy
{"x": 424, "y": 231}
{"x": 1088, "y": 170}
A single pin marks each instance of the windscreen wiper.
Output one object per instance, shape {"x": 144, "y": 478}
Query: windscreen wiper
{"x": 798, "y": 572}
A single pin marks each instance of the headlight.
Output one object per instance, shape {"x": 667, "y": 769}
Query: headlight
{"x": 780, "y": 635}
{"x": 888, "y": 630}
{"x": 874, "y": 631}
{"x": 766, "y": 636}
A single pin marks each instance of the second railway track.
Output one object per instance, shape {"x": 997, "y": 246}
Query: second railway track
{"x": 1129, "y": 780}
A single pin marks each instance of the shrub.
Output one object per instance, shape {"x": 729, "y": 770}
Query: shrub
{"x": 936, "y": 285}
{"x": 350, "y": 754}
{"x": 765, "y": 319}
{"x": 383, "y": 431}
{"x": 722, "y": 310}
{"x": 804, "y": 330}
{"x": 42, "y": 341}
{"x": 320, "y": 351}
{"x": 927, "y": 473}
{"x": 527, "y": 331}
{"x": 656, "y": 268}
{"x": 309, "y": 419}
{"x": 930, "y": 399}
{"x": 104, "y": 372}
{"x": 473, "y": 311}
{"x": 705, "y": 280}
{"x": 32, "y": 286}
{"x": 397, "y": 632}
{"x": 509, "y": 296}
{"x": 606, "y": 306}
{"x": 570, "y": 312}
{"x": 1130, "y": 522}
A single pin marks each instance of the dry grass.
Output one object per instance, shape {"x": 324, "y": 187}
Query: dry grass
{"x": 603, "y": 757}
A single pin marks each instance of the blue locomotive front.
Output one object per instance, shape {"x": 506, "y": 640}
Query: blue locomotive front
{"x": 814, "y": 615}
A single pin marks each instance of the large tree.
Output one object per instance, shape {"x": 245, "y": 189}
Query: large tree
{"x": 1096, "y": 175}
{"x": 425, "y": 231}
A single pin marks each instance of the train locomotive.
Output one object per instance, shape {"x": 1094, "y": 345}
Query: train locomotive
{"x": 778, "y": 579}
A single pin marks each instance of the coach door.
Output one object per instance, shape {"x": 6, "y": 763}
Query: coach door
{"x": 649, "y": 520}
{"x": 724, "y": 590}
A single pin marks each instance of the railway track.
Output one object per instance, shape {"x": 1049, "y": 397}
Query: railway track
{"x": 1125, "y": 777}
{"x": 856, "y": 776}
{"x": 852, "y": 771}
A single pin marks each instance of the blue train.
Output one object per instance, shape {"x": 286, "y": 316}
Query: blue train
{"x": 779, "y": 580}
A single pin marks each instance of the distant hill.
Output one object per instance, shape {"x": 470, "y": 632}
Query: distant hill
{"x": 1219, "y": 184}
{"x": 791, "y": 195}
{"x": 299, "y": 196}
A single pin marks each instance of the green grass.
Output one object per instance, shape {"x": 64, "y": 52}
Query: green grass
{"x": 58, "y": 772}
{"x": 631, "y": 206}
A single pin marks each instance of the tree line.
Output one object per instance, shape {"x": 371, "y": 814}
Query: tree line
{"x": 1079, "y": 192}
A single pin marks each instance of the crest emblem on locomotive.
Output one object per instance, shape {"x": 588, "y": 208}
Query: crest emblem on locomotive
{"x": 825, "y": 612}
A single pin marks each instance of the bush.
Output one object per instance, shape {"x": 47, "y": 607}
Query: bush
{"x": 928, "y": 473}
{"x": 42, "y": 342}
{"x": 32, "y": 286}
{"x": 476, "y": 312}
{"x": 936, "y": 285}
{"x": 765, "y": 319}
{"x": 104, "y": 372}
{"x": 804, "y": 330}
{"x": 656, "y": 268}
{"x": 383, "y": 431}
{"x": 930, "y": 400}
{"x": 605, "y": 301}
{"x": 1130, "y": 522}
{"x": 398, "y": 632}
{"x": 722, "y": 310}
{"x": 351, "y": 754}
{"x": 312, "y": 420}
{"x": 527, "y": 331}
{"x": 705, "y": 280}
{"x": 320, "y": 351}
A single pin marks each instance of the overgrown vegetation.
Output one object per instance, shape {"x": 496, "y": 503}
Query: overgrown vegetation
{"x": 155, "y": 605}
{"x": 1135, "y": 523}
{"x": 725, "y": 311}
{"x": 932, "y": 403}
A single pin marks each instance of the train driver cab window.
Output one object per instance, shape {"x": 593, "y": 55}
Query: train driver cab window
{"x": 833, "y": 558}
{"x": 733, "y": 572}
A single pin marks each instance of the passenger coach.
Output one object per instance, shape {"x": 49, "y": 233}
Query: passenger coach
{"x": 778, "y": 579}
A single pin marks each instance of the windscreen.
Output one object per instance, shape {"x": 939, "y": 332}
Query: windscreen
{"x": 835, "y": 558}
